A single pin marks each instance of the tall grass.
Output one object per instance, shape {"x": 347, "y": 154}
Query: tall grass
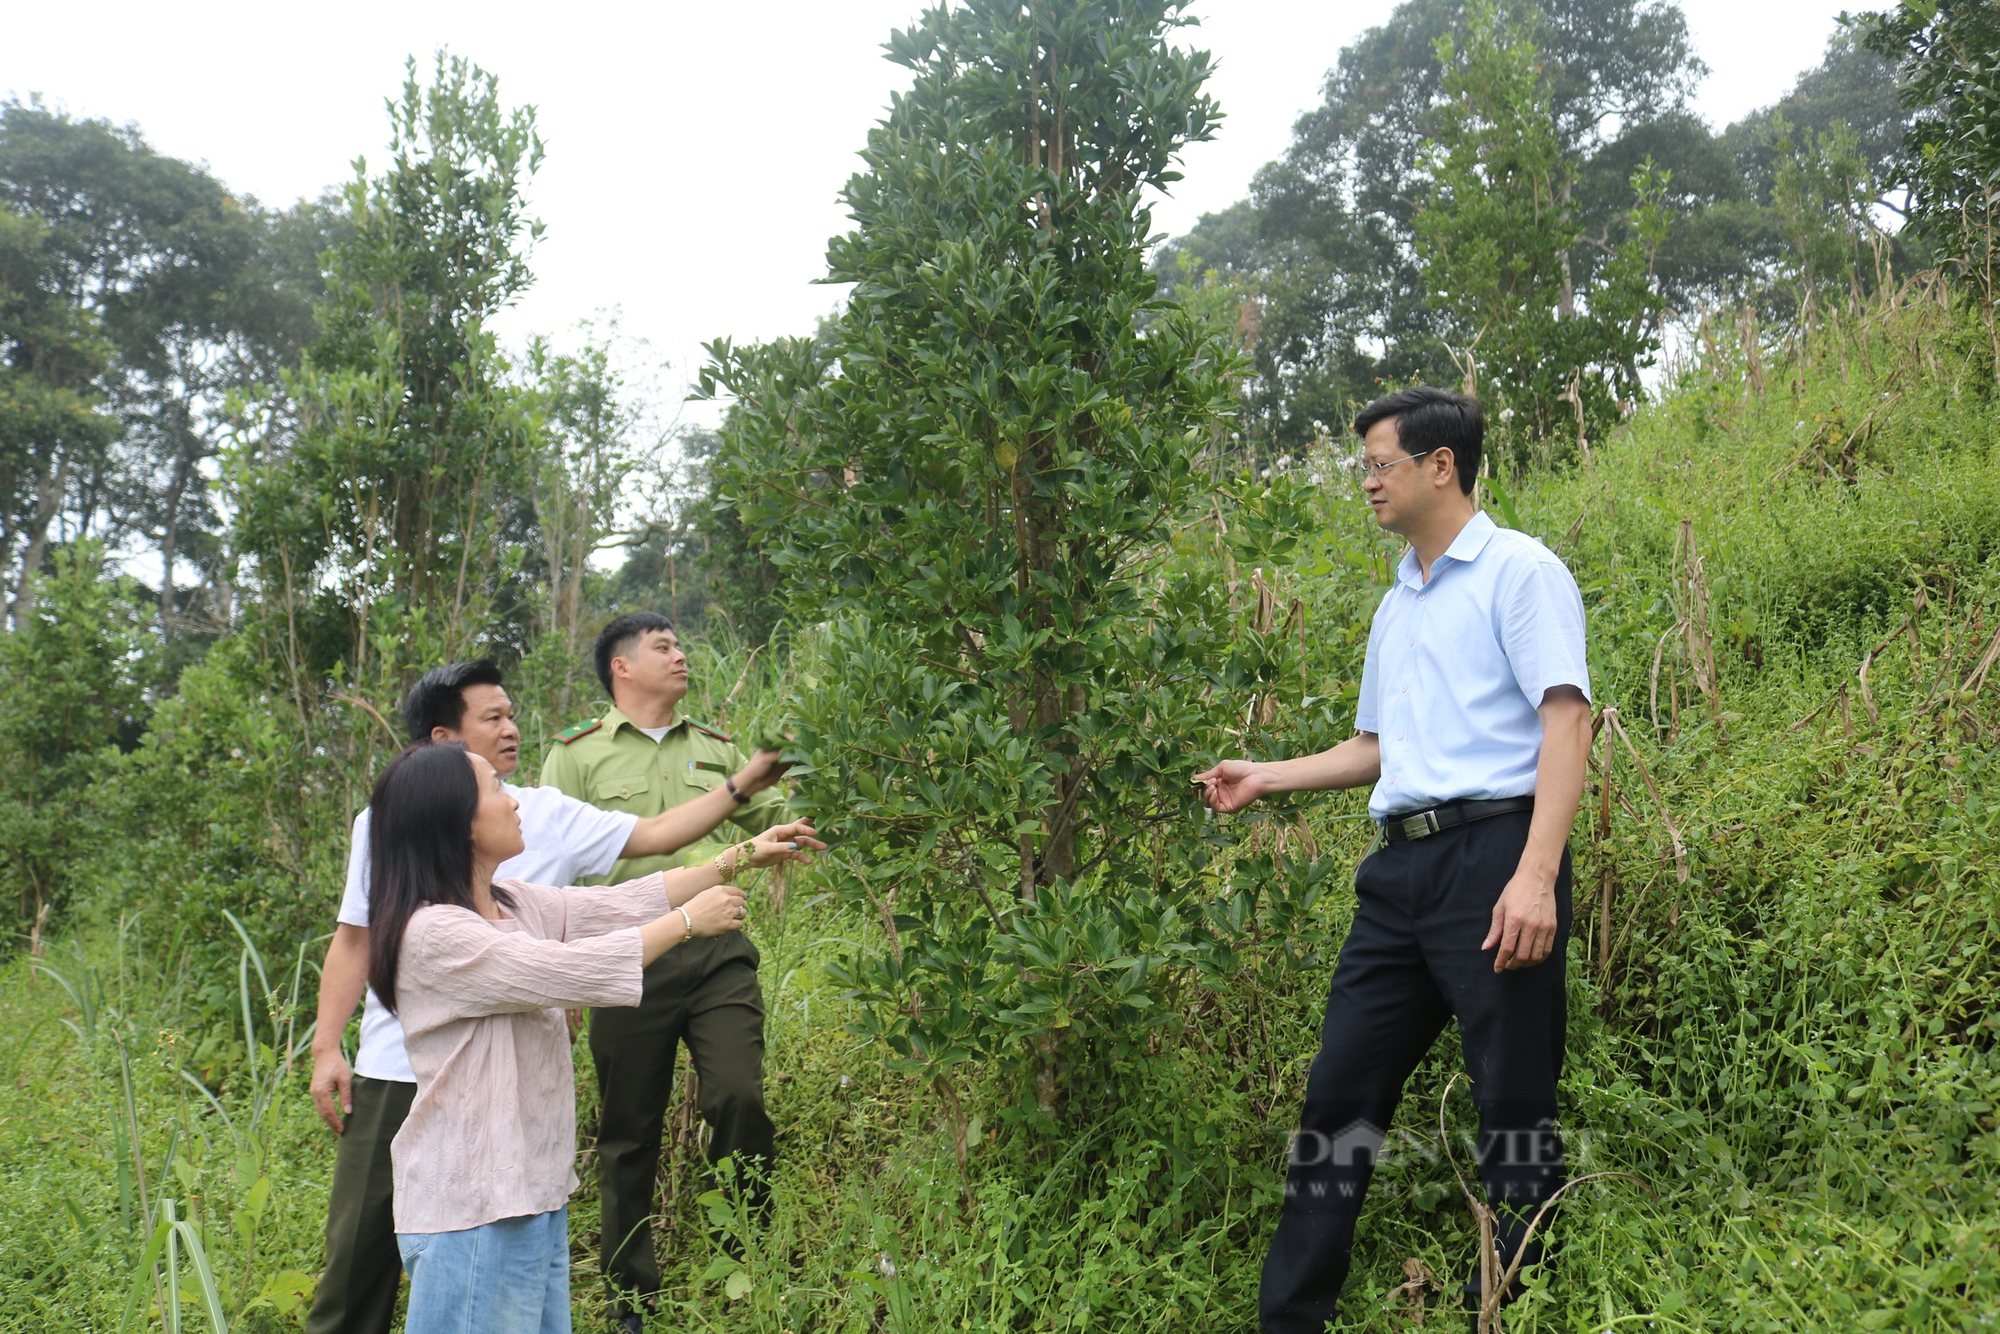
{"x": 198, "y": 1224}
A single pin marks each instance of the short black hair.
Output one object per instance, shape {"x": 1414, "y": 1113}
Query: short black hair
{"x": 615, "y": 637}
{"x": 1428, "y": 418}
{"x": 438, "y": 697}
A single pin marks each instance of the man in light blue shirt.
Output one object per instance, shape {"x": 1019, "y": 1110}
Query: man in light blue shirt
{"x": 1474, "y": 727}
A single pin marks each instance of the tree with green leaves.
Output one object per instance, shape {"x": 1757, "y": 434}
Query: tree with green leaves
{"x": 1853, "y": 86}
{"x": 1823, "y": 198}
{"x": 977, "y": 489}
{"x": 1948, "y": 54}
{"x": 1326, "y": 245}
{"x": 582, "y": 456}
{"x": 1495, "y": 237}
{"x": 1327, "y": 238}
{"x": 73, "y": 672}
{"x": 694, "y": 559}
{"x": 180, "y": 291}
{"x": 246, "y": 324}
{"x": 53, "y": 422}
{"x": 384, "y": 501}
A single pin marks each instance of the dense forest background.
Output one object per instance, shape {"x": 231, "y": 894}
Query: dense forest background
{"x": 1045, "y": 519}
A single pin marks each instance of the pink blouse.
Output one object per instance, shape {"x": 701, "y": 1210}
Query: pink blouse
{"x": 492, "y": 1131}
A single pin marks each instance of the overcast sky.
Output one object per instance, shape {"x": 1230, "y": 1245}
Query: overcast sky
{"x": 694, "y": 151}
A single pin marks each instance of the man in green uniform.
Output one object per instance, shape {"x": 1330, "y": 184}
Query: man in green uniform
{"x": 640, "y": 756}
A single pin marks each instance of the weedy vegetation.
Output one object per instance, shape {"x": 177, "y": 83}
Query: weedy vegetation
{"x": 1039, "y": 1024}
{"x": 1783, "y": 961}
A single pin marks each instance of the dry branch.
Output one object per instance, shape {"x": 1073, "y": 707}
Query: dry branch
{"x": 1609, "y": 721}
{"x": 1493, "y": 1280}
{"x": 370, "y": 710}
{"x": 1977, "y": 678}
{"x": 1666, "y": 817}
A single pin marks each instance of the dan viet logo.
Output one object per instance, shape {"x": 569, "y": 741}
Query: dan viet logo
{"x": 1357, "y": 1144}
{"x": 1361, "y": 1148}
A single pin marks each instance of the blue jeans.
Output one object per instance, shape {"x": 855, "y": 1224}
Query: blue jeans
{"x": 510, "y": 1276}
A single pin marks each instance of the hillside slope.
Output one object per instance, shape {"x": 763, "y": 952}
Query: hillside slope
{"x": 1790, "y": 568}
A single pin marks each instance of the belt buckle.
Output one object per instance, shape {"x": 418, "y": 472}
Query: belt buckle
{"x": 1421, "y": 825}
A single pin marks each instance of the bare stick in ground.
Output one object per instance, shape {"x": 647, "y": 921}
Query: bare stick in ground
{"x": 956, "y": 1123}
{"x": 1695, "y": 617}
{"x": 722, "y": 718}
{"x": 1977, "y": 678}
{"x": 1414, "y": 1291}
{"x": 1493, "y": 1280}
{"x": 1659, "y": 652}
{"x": 1867, "y": 697}
{"x": 1608, "y": 722}
{"x": 1659, "y": 802}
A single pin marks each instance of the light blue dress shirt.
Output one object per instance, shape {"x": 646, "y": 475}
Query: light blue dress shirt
{"x": 1457, "y": 668}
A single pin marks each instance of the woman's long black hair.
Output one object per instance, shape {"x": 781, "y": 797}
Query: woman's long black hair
{"x": 419, "y": 849}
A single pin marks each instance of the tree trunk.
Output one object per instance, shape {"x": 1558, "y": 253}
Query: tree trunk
{"x": 1051, "y": 703}
{"x": 1042, "y": 709}
{"x": 48, "y": 499}
{"x": 1028, "y": 710}
{"x": 1567, "y": 309}
{"x": 170, "y": 536}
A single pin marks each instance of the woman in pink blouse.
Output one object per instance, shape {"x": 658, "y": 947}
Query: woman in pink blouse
{"x": 480, "y": 974}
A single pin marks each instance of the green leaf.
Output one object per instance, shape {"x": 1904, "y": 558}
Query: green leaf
{"x": 1506, "y": 502}
{"x": 259, "y": 1196}
{"x": 211, "y": 1299}
{"x": 287, "y": 1290}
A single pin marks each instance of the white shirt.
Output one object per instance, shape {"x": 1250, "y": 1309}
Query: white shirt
{"x": 567, "y": 840}
{"x": 1457, "y": 668}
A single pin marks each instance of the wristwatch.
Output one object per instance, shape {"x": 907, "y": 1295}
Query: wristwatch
{"x": 741, "y": 800}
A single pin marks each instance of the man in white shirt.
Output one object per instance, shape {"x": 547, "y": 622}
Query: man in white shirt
{"x": 567, "y": 841}
{"x": 1474, "y": 727}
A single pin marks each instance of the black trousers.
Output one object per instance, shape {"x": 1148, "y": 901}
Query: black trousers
{"x": 1411, "y": 962}
{"x": 703, "y": 993}
{"x": 357, "y": 1290}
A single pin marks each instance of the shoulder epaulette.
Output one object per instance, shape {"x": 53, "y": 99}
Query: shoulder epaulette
{"x": 706, "y": 730}
{"x": 580, "y": 730}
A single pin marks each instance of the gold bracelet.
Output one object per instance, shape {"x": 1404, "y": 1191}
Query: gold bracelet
{"x": 735, "y": 854}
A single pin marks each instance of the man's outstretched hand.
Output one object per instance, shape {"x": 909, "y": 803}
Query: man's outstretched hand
{"x": 765, "y": 768}
{"x": 1232, "y": 785}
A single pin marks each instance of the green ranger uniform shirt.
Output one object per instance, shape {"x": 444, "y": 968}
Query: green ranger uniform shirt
{"x": 610, "y": 763}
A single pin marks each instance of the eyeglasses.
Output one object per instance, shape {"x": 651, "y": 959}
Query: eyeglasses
{"x": 1363, "y": 469}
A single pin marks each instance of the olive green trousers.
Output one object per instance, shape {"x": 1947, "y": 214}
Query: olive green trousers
{"x": 704, "y": 993}
{"x": 357, "y": 1290}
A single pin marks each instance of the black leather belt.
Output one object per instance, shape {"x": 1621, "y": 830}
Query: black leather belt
{"x": 1422, "y": 824}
